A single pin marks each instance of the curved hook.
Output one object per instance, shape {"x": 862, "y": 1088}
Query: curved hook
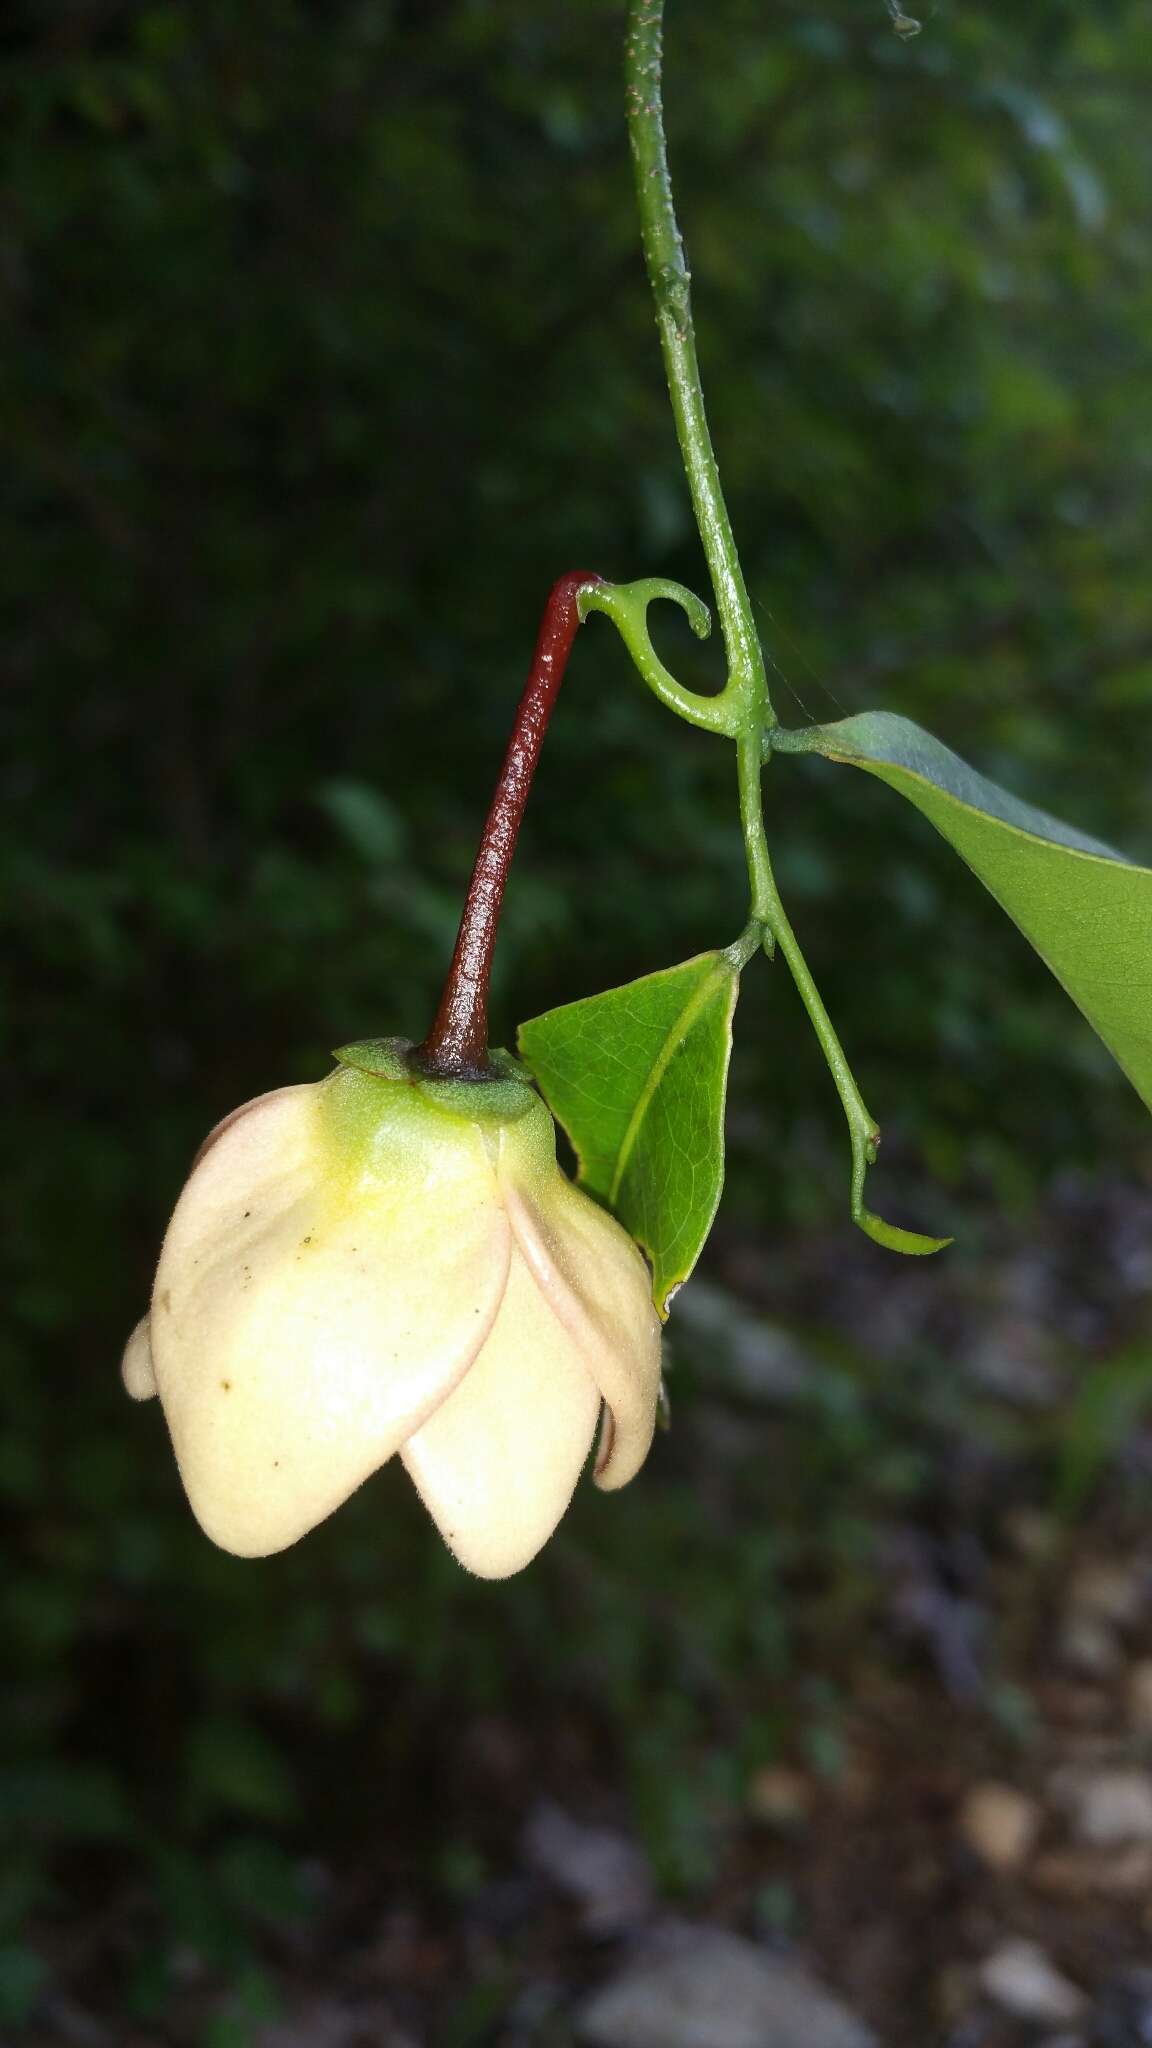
{"x": 914, "y": 1243}
{"x": 626, "y": 604}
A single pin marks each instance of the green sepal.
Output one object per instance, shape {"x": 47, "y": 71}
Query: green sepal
{"x": 501, "y": 1098}
{"x": 384, "y": 1057}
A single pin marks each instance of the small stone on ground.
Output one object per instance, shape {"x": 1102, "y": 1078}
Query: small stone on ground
{"x": 1107, "y": 1808}
{"x": 1000, "y": 1824}
{"x": 699, "y": 1987}
{"x": 601, "y": 1869}
{"x": 1022, "y": 1980}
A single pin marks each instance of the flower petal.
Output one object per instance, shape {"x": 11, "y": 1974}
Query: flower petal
{"x": 303, "y": 1324}
{"x": 599, "y": 1287}
{"x": 136, "y": 1368}
{"x": 497, "y": 1463}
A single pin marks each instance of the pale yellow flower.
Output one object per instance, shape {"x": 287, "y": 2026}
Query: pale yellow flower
{"x": 381, "y": 1263}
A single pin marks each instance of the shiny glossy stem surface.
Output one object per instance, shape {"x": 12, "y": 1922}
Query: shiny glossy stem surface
{"x": 458, "y": 1041}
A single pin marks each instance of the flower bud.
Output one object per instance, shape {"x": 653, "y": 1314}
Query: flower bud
{"x": 382, "y": 1262}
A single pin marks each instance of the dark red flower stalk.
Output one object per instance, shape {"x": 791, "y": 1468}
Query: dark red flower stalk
{"x": 458, "y": 1041}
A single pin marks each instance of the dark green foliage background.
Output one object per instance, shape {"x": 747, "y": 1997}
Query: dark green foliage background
{"x": 326, "y": 348}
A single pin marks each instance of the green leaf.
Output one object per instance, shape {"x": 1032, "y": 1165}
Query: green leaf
{"x": 637, "y": 1078}
{"x": 1086, "y": 909}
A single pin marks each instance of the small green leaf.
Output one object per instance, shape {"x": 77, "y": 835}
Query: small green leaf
{"x": 913, "y": 1243}
{"x": 1086, "y": 909}
{"x": 637, "y": 1078}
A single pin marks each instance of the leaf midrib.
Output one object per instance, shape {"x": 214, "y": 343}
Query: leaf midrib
{"x": 674, "y": 1040}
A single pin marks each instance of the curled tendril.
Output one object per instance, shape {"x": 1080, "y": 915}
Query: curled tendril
{"x": 626, "y": 604}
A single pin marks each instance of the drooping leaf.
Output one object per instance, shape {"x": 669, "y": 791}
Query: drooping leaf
{"x": 1085, "y": 908}
{"x": 637, "y": 1078}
